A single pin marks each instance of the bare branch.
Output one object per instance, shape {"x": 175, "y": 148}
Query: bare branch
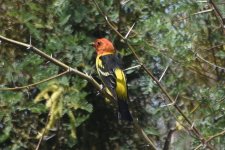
{"x": 165, "y": 70}
{"x": 204, "y": 11}
{"x": 34, "y": 84}
{"x": 59, "y": 63}
{"x": 199, "y": 146}
{"x": 208, "y": 62}
{"x": 168, "y": 139}
{"x": 124, "y": 2}
{"x": 216, "y": 135}
{"x": 129, "y": 31}
{"x": 202, "y": 1}
{"x": 217, "y": 11}
{"x": 42, "y": 136}
{"x": 171, "y": 104}
{"x": 211, "y": 138}
{"x": 144, "y": 136}
{"x": 130, "y": 68}
{"x": 215, "y": 46}
{"x": 218, "y": 15}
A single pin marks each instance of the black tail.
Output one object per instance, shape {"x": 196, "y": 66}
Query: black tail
{"x": 124, "y": 113}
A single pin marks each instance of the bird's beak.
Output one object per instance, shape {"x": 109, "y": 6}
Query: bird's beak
{"x": 92, "y": 44}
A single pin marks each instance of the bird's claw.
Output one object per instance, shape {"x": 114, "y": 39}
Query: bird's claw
{"x": 101, "y": 89}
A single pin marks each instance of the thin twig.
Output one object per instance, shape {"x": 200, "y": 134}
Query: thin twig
{"x": 218, "y": 15}
{"x": 181, "y": 63}
{"x": 133, "y": 67}
{"x": 208, "y": 62}
{"x": 129, "y": 31}
{"x": 193, "y": 70}
{"x": 213, "y": 47}
{"x": 199, "y": 146}
{"x": 34, "y": 84}
{"x": 144, "y": 136}
{"x": 164, "y": 71}
{"x": 204, "y": 11}
{"x": 42, "y": 136}
{"x": 211, "y": 138}
{"x": 215, "y": 136}
{"x": 124, "y": 2}
{"x": 202, "y": 1}
{"x": 197, "y": 13}
{"x": 171, "y": 104}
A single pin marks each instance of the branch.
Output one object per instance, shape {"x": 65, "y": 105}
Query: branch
{"x": 126, "y": 36}
{"x": 144, "y": 136}
{"x": 218, "y": 15}
{"x": 199, "y": 146}
{"x": 42, "y": 136}
{"x": 59, "y": 63}
{"x": 208, "y": 62}
{"x": 168, "y": 139}
{"x": 210, "y": 138}
{"x": 215, "y": 46}
{"x": 165, "y": 71}
{"x": 195, "y": 130}
{"x": 133, "y": 67}
{"x": 215, "y": 136}
{"x": 30, "y": 85}
{"x": 182, "y": 64}
{"x": 204, "y": 11}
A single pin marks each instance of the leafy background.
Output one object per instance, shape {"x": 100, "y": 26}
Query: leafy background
{"x": 166, "y": 33}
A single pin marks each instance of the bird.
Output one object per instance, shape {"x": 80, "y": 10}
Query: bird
{"x": 109, "y": 68}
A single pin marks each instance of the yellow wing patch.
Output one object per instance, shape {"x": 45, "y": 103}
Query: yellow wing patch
{"x": 121, "y": 86}
{"x": 99, "y": 65}
{"x": 99, "y": 62}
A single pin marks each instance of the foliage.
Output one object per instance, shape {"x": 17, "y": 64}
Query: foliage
{"x": 166, "y": 33}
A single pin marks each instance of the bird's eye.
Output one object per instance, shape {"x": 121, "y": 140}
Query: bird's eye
{"x": 99, "y": 43}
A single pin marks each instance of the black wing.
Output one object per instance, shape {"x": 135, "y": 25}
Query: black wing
{"x": 106, "y": 71}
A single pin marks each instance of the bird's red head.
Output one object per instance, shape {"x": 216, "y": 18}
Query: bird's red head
{"x": 104, "y": 46}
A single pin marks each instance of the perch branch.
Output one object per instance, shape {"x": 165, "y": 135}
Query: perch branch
{"x": 59, "y": 63}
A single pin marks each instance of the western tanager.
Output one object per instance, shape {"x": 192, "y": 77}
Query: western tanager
{"x": 109, "y": 69}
